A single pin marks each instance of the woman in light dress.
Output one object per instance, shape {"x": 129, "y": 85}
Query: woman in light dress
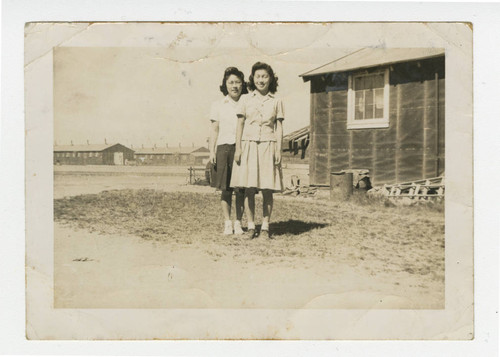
{"x": 259, "y": 136}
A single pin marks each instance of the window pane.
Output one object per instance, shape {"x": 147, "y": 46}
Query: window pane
{"x": 379, "y": 103}
{"x": 368, "y": 91}
{"x": 378, "y": 81}
{"x": 359, "y": 113}
{"x": 368, "y": 104}
{"x": 359, "y": 105}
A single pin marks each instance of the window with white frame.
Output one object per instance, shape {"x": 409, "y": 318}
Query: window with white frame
{"x": 368, "y": 100}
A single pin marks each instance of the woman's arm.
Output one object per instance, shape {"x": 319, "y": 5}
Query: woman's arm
{"x": 214, "y": 134}
{"x": 239, "y": 134}
{"x": 279, "y": 140}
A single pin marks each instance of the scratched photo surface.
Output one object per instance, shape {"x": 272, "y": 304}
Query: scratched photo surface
{"x": 358, "y": 230}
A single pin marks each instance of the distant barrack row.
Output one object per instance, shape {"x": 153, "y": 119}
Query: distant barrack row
{"x": 118, "y": 154}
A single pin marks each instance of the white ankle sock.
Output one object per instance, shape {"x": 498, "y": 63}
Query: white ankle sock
{"x": 251, "y": 225}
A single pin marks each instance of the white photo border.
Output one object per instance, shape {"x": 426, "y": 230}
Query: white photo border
{"x": 486, "y": 30}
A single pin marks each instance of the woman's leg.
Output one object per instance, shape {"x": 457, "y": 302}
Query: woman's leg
{"x": 250, "y": 209}
{"x": 240, "y": 203}
{"x": 239, "y": 208}
{"x": 225, "y": 200}
{"x": 267, "y": 208}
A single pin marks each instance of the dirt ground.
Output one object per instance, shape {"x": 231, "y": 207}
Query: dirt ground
{"x": 95, "y": 270}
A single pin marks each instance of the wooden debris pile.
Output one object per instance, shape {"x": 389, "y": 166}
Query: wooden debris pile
{"x": 419, "y": 189}
{"x": 295, "y": 189}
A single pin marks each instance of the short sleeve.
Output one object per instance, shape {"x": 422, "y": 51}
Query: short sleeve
{"x": 214, "y": 112}
{"x": 280, "y": 109}
{"x": 241, "y": 108}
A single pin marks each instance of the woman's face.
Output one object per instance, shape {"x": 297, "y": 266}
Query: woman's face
{"x": 234, "y": 86}
{"x": 261, "y": 80}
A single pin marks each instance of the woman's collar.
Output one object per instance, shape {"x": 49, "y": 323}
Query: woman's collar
{"x": 269, "y": 94}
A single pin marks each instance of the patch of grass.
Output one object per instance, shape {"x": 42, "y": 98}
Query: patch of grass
{"x": 353, "y": 233}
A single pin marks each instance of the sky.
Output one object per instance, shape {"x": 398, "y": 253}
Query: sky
{"x": 160, "y": 93}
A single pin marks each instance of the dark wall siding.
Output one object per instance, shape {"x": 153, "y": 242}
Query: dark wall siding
{"x": 406, "y": 150}
{"x": 312, "y": 135}
{"x": 169, "y": 159}
{"x": 319, "y": 138}
{"x": 78, "y": 160}
{"x": 441, "y": 160}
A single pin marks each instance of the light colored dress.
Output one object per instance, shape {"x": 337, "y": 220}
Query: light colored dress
{"x": 257, "y": 168}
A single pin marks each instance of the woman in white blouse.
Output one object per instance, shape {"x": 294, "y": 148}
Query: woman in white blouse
{"x": 222, "y": 145}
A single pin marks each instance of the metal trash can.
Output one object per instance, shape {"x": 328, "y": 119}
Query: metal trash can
{"x": 340, "y": 186}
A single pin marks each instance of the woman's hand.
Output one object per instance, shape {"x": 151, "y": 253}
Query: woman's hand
{"x": 277, "y": 157}
{"x": 212, "y": 158}
{"x": 237, "y": 155}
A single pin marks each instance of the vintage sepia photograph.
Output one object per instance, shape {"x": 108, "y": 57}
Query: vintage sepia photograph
{"x": 145, "y": 197}
{"x": 213, "y": 167}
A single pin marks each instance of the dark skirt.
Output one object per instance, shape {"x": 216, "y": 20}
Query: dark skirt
{"x": 221, "y": 176}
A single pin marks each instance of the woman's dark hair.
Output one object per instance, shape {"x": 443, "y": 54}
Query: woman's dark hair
{"x": 228, "y": 72}
{"x": 273, "y": 79}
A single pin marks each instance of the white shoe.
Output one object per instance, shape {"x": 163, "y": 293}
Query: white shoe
{"x": 228, "y": 228}
{"x": 237, "y": 228}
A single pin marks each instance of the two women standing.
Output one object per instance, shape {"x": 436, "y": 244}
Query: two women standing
{"x": 257, "y": 151}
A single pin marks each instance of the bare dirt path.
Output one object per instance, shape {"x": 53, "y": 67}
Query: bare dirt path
{"x": 116, "y": 271}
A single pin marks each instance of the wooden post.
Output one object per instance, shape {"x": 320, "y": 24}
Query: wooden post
{"x": 373, "y": 169}
{"x": 350, "y": 148}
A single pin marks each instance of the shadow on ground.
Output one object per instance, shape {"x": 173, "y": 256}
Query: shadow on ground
{"x": 293, "y": 227}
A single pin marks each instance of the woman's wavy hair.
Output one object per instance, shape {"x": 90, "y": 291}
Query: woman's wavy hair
{"x": 228, "y": 72}
{"x": 273, "y": 79}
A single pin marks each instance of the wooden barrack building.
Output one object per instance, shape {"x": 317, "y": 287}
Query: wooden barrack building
{"x": 92, "y": 154}
{"x": 172, "y": 156}
{"x": 381, "y": 110}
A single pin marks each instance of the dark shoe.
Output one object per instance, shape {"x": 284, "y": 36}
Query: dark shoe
{"x": 251, "y": 234}
{"x": 265, "y": 234}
